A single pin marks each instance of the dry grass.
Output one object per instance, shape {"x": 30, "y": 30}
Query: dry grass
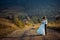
{"x": 6, "y": 27}
{"x": 19, "y": 23}
{"x": 53, "y": 24}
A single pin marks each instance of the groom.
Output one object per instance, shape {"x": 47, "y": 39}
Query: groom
{"x": 45, "y": 25}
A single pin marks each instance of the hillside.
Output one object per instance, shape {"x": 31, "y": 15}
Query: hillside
{"x": 31, "y": 34}
{"x": 6, "y": 27}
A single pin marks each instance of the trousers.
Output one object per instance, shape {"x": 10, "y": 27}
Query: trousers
{"x": 45, "y": 28}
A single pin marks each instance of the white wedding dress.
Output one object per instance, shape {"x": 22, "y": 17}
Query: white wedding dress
{"x": 41, "y": 29}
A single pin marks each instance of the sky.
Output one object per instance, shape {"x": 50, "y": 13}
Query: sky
{"x": 31, "y": 7}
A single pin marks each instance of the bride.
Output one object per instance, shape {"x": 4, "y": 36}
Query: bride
{"x": 42, "y": 29}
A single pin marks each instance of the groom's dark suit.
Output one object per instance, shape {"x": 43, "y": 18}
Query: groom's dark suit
{"x": 46, "y": 27}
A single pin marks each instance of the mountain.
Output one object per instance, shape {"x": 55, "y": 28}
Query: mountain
{"x": 49, "y": 8}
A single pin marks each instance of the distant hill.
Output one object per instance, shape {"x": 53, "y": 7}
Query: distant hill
{"x": 49, "y": 8}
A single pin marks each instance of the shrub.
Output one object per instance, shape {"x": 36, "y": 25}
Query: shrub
{"x": 18, "y": 22}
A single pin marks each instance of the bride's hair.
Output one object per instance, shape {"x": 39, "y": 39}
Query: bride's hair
{"x": 44, "y": 17}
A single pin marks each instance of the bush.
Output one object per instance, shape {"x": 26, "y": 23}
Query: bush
{"x": 18, "y": 22}
{"x": 35, "y": 19}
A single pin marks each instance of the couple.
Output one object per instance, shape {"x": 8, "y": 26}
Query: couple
{"x": 42, "y": 29}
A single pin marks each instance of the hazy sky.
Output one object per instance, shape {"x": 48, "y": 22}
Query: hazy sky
{"x": 38, "y": 7}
